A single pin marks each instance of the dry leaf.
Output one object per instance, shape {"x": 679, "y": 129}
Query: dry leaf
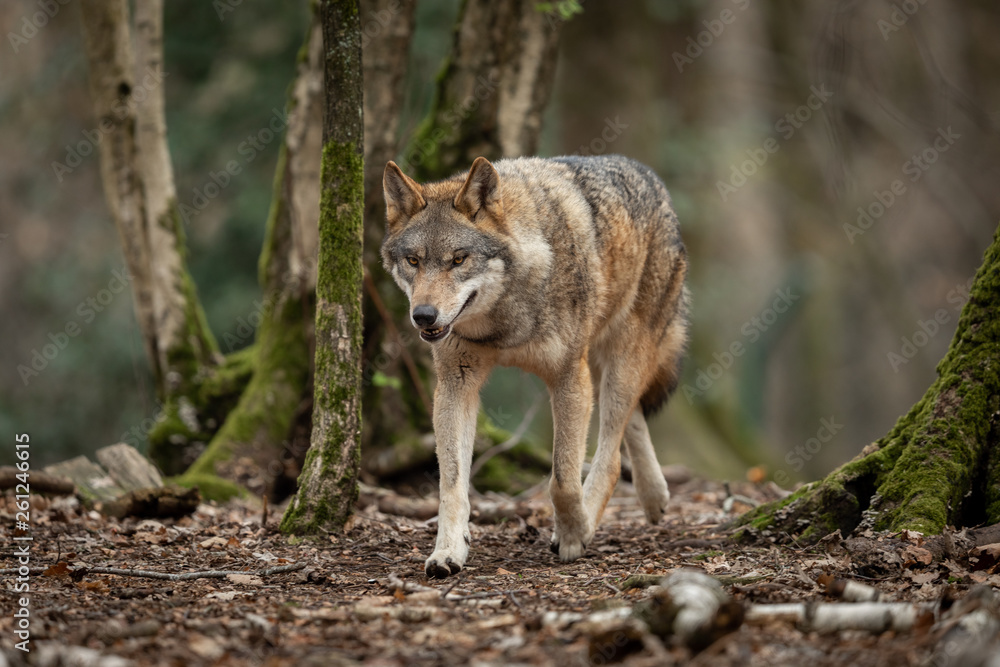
{"x": 213, "y": 543}
{"x": 99, "y": 586}
{"x": 986, "y": 556}
{"x": 245, "y": 579}
{"x": 60, "y": 569}
{"x": 914, "y": 556}
{"x": 923, "y": 577}
{"x": 500, "y": 570}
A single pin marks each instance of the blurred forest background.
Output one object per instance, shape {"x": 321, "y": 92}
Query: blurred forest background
{"x": 831, "y": 240}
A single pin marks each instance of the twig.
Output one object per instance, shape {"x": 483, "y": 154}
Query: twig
{"x": 458, "y": 580}
{"x": 513, "y": 440}
{"x": 396, "y": 583}
{"x": 186, "y": 576}
{"x": 390, "y": 326}
{"x": 513, "y": 599}
{"x": 488, "y": 594}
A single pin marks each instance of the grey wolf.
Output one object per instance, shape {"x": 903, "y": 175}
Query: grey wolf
{"x": 571, "y": 268}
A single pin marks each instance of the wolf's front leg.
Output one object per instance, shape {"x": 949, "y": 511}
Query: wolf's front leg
{"x": 571, "y": 404}
{"x": 460, "y": 375}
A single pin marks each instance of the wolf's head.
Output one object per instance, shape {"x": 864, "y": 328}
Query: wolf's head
{"x": 446, "y": 246}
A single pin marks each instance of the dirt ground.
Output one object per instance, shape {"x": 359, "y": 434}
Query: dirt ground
{"x": 362, "y": 597}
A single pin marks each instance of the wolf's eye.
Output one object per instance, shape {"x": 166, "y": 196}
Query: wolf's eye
{"x": 458, "y": 260}
{"x": 413, "y": 261}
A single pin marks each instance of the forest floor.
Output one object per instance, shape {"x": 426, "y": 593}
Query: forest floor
{"x": 362, "y": 597}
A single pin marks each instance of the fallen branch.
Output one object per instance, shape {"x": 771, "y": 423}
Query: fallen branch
{"x": 849, "y": 590}
{"x": 874, "y": 617}
{"x": 186, "y": 576}
{"x": 389, "y": 502}
{"x": 688, "y": 606}
{"x": 39, "y": 482}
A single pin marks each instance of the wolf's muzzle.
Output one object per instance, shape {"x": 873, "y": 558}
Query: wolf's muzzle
{"x": 425, "y": 316}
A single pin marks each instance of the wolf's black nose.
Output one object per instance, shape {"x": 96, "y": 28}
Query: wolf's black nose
{"x": 424, "y": 316}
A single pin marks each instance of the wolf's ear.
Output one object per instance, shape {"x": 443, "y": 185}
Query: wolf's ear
{"x": 480, "y": 191}
{"x": 404, "y": 197}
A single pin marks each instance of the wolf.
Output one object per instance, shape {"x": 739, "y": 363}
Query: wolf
{"x": 571, "y": 268}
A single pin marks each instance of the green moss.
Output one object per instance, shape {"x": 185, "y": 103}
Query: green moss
{"x": 214, "y": 393}
{"x": 212, "y": 487}
{"x": 328, "y": 487}
{"x": 262, "y": 418}
{"x": 939, "y": 464}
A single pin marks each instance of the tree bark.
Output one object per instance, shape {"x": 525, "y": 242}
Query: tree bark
{"x": 139, "y": 188}
{"x": 493, "y": 89}
{"x": 184, "y": 341}
{"x": 940, "y": 464}
{"x": 328, "y": 485}
{"x": 107, "y": 41}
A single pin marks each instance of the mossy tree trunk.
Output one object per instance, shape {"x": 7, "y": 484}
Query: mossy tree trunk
{"x": 492, "y": 90}
{"x": 127, "y": 93}
{"x": 328, "y": 485}
{"x": 255, "y": 447}
{"x": 940, "y": 464}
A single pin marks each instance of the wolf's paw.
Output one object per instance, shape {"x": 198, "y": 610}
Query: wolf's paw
{"x": 569, "y": 547}
{"x": 439, "y": 567}
{"x": 655, "y": 504}
{"x": 568, "y": 550}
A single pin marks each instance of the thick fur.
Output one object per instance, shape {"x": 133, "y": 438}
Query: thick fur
{"x": 571, "y": 268}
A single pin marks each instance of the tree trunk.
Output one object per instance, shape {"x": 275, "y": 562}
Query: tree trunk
{"x": 493, "y": 89}
{"x": 139, "y": 188}
{"x": 328, "y": 485}
{"x": 255, "y": 446}
{"x": 940, "y": 464}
